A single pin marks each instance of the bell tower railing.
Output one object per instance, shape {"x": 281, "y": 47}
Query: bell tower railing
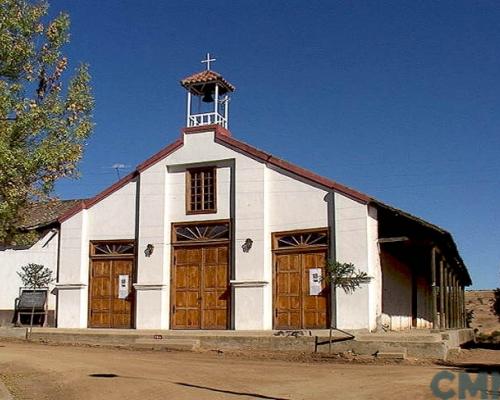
{"x": 219, "y": 115}
{"x": 211, "y": 94}
{"x": 207, "y": 119}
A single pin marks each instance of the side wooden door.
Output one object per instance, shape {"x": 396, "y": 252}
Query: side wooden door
{"x": 200, "y": 287}
{"x": 107, "y": 309}
{"x": 288, "y": 307}
{"x": 186, "y": 280}
{"x": 215, "y": 288}
{"x": 315, "y": 308}
{"x": 295, "y": 308}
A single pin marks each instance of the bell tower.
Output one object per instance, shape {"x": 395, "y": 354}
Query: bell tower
{"x": 207, "y": 97}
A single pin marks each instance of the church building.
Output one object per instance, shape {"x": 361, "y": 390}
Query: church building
{"x": 213, "y": 233}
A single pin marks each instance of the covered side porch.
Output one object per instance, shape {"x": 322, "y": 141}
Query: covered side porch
{"x": 423, "y": 275}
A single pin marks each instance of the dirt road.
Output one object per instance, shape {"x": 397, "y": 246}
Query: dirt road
{"x": 35, "y": 371}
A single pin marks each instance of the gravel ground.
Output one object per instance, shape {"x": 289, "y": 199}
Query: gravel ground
{"x": 37, "y": 371}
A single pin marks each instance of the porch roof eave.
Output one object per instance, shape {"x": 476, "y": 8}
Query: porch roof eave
{"x": 439, "y": 236}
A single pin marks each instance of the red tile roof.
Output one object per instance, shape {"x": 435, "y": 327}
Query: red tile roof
{"x": 223, "y": 137}
{"x": 41, "y": 215}
{"x": 207, "y": 76}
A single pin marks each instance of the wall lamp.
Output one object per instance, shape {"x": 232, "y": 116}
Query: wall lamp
{"x": 247, "y": 245}
{"x": 149, "y": 250}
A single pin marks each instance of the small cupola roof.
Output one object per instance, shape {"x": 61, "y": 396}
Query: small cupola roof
{"x": 211, "y": 94}
{"x": 196, "y": 83}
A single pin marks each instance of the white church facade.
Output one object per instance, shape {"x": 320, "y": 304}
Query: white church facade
{"x": 212, "y": 233}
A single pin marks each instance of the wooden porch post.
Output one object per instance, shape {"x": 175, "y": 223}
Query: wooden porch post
{"x": 449, "y": 291}
{"x": 453, "y": 301}
{"x": 447, "y": 296}
{"x": 464, "y": 323}
{"x": 457, "y": 295}
{"x": 442, "y": 324}
{"x": 460, "y": 306}
{"x": 434, "y": 288}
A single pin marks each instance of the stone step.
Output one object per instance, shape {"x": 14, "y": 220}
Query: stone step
{"x": 429, "y": 338}
{"x": 167, "y": 343}
{"x": 386, "y": 355}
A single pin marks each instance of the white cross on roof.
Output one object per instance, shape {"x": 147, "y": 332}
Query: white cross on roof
{"x": 208, "y": 61}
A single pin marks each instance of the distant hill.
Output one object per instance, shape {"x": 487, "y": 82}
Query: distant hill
{"x": 480, "y": 301}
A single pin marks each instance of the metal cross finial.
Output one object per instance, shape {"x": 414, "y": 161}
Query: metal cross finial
{"x": 208, "y": 61}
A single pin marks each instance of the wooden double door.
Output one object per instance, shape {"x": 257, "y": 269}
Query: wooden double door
{"x": 110, "y": 293}
{"x": 200, "y": 287}
{"x": 295, "y": 306}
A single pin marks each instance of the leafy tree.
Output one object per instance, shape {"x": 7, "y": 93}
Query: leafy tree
{"x": 344, "y": 276}
{"x": 35, "y": 276}
{"x": 45, "y": 117}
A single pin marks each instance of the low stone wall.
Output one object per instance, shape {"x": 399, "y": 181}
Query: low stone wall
{"x": 430, "y": 345}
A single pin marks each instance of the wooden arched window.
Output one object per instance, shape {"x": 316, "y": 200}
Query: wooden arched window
{"x": 201, "y": 232}
{"x": 300, "y": 239}
{"x": 112, "y": 248}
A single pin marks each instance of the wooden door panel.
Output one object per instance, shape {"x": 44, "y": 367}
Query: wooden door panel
{"x": 288, "y": 291}
{"x": 315, "y": 307}
{"x": 106, "y": 309}
{"x": 186, "y": 288}
{"x": 200, "y": 291}
{"x": 122, "y": 308}
{"x": 294, "y": 307}
{"x": 215, "y": 288}
{"x": 100, "y": 292}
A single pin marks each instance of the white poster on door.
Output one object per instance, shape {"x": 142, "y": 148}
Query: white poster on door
{"x": 315, "y": 281}
{"x": 122, "y": 286}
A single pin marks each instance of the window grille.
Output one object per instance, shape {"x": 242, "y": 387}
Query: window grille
{"x": 201, "y": 191}
{"x": 301, "y": 239}
{"x": 201, "y": 232}
{"x": 112, "y": 248}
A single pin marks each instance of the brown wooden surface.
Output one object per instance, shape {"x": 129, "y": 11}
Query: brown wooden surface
{"x": 201, "y": 190}
{"x": 294, "y": 307}
{"x": 106, "y": 309}
{"x": 200, "y": 287}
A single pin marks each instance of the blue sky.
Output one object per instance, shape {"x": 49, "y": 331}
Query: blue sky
{"x": 399, "y": 100}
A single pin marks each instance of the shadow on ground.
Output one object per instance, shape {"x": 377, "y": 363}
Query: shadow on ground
{"x": 256, "y": 395}
{"x": 482, "y": 345}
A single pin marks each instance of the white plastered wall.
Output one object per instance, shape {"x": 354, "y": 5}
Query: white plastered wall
{"x": 396, "y": 298}
{"x": 265, "y": 200}
{"x": 374, "y": 270}
{"x": 424, "y": 303}
{"x": 72, "y": 285}
{"x": 111, "y": 218}
{"x": 397, "y": 294}
{"x": 292, "y": 204}
{"x": 168, "y": 204}
{"x": 43, "y": 252}
{"x": 356, "y": 243}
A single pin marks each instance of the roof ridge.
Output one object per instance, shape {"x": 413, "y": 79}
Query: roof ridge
{"x": 223, "y": 137}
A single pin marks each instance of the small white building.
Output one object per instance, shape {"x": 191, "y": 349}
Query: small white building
{"x": 212, "y": 233}
{"x": 42, "y": 219}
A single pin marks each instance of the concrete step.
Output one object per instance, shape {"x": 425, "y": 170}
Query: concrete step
{"x": 167, "y": 344}
{"x": 386, "y": 355}
{"x": 428, "y": 338}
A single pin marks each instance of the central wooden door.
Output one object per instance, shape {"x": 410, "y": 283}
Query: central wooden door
{"x": 295, "y": 307}
{"x": 111, "y": 297}
{"x": 200, "y": 287}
